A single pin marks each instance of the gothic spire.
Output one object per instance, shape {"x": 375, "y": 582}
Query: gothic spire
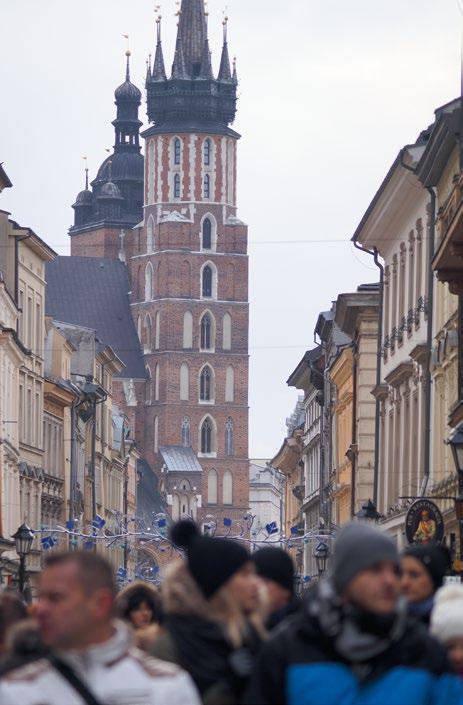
{"x": 159, "y": 69}
{"x": 225, "y": 71}
{"x": 192, "y": 31}
{"x": 148, "y": 70}
{"x": 206, "y": 65}
{"x": 178, "y": 67}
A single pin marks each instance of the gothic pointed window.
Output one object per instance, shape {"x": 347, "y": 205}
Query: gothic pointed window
{"x": 206, "y": 384}
{"x": 207, "y": 437}
{"x": 207, "y": 282}
{"x": 212, "y": 487}
{"x": 147, "y": 334}
{"x": 184, "y": 382}
{"x": 229, "y": 441}
{"x": 207, "y": 152}
{"x": 177, "y": 151}
{"x": 227, "y": 487}
{"x": 206, "y": 332}
{"x": 177, "y": 186}
{"x": 149, "y": 278}
{"x": 207, "y": 234}
{"x": 207, "y": 186}
{"x": 150, "y": 235}
{"x": 148, "y": 386}
{"x": 186, "y": 433}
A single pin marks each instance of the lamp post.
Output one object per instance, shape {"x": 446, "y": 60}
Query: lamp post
{"x": 23, "y": 539}
{"x": 456, "y": 444}
{"x": 321, "y": 557}
{"x": 368, "y": 512}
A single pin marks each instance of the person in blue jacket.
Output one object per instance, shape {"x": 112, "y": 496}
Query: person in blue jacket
{"x": 354, "y": 643}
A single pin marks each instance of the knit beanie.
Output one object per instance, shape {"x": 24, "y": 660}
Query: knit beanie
{"x": 436, "y": 559}
{"x": 211, "y": 561}
{"x": 357, "y": 548}
{"x": 447, "y": 615}
{"x": 275, "y": 564}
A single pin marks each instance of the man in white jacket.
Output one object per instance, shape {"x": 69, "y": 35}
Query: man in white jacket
{"x": 95, "y": 661}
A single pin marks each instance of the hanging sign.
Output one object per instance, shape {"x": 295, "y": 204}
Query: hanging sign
{"x": 424, "y": 523}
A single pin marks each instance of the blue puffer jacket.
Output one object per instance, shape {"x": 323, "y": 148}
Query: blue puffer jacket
{"x": 300, "y": 666}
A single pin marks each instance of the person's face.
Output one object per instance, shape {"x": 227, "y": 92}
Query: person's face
{"x": 376, "y": 589}
{"x": 69, "y": 617}
{"x": 416, "y": 582}
{"x": 277, "y": 596}
{"x": 425, "y": 516}
{"x": 455, "y": 653}
{"x": 243, "y": 587}
{"x": 142, "y": 616}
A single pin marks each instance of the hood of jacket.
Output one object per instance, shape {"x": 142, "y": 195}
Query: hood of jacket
{"x": 181, "y": 595}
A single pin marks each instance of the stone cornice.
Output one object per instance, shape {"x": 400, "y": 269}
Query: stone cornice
{"x": 400, "y": 374}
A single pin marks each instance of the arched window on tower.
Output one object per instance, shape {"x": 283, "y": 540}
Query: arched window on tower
{"x": 212, "y": 487}
{"x": 150, "y": 235}
{"x": 207, "y": 234}
{"x": 147, "y": 334}
{"x": 207, "y": 333}
{"x": 157, "y": 331}
{"x": 227, "y": 487}
{"x": 207, "y": 152}
{"x": 186, "y": 432}
{"x": 226, "y": 341}
{"x": 148, "y": 387}
{"x": 177, "y": 186}
{"x": 229, "y": 440}
{"x": 156, "y": 435}
{"x": 207, "y": 186}
{"x": 230, "y": 384}
{"x": 156, "y": 383}
{"x": 207, "y": 441}
{"x": 177, "y": 151}
{"x": 184, "y": 382}
{"x": 206, "y": 384}
{"x": 207, "y": 281}
{"x": 149, "y": 277}
{"x": 187, "y": 330}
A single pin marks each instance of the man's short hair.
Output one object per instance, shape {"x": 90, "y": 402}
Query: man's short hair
{"x": 94, "y": 571}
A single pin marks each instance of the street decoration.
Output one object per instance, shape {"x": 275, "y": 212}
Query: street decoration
{"x": 424, "y": 523}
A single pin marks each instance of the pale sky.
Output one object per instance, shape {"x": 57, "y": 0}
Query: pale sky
{"x": 330, "y": 91}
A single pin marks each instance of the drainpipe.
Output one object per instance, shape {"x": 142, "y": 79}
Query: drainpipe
{"x": 429, "y": 336}
{"x": 379, "y": 361}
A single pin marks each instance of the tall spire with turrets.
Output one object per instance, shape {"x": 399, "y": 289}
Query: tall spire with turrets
{"x": 225, "y": 71}
{"x": 159, "y": 69}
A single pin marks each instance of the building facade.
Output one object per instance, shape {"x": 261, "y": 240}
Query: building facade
{"x": 266, "y": 498}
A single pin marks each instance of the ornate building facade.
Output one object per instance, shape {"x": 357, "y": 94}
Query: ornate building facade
{"x": 188, "y": 268}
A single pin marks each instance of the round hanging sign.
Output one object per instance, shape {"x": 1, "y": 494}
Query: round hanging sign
{"x": 424, "y": 523}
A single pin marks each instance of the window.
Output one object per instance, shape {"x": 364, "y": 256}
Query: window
{"x": 139, "y": 327}
{"x": 207, "y": 234}
{"x": 156, "y": 434}
{"x": 206, "y": 332}
{"x": 226, "y": 342}
{"x": 230, "y": 385}
{"x": 227, "y": 487}
{"x": 187, "y": 330}
{"x": 212, "y": 483}
{"x": 207, "y": 437}
{"x": 186, "y": 433}
{"x": 148, "y": 387}
{"x": 184, "y": 382}
{"x": 149, "y": 277}
{"x": 147, "y": 337}
{"x": 157, "y": 331}
{"x": 150, "y": 235}
{"x": 207, "y": 186}
{"x": 156, "y": 383}
{"x": 207, "y": 282}
{"x": 207, "y": 152}
{"x": 206, "y": 384}
{"x": 177, "y": 186}
{"x": 177, "y": 151}
{"x": 229, "y": 442}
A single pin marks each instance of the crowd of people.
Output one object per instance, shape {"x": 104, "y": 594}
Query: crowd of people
{"x": 226, "y": 628}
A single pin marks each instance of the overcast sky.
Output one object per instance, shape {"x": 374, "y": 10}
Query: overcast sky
{"x": 330, "y": 90}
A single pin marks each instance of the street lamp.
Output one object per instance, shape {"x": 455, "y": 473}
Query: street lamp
{"x": 23, "y": 539}
{"x": 321, "y": 557}
{"x": 456, "y": 444}
{"x": 368, "y": 512}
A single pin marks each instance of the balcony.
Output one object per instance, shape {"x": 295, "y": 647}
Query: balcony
{"x": 448, "y": 260}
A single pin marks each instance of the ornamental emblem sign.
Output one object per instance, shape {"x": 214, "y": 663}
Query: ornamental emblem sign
{"x": 424, "y": 523}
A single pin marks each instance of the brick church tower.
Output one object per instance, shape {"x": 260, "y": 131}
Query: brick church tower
{"x": 189, "y": 267}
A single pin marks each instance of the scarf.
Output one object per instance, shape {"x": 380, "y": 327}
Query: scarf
{"x": 357, "y": 636}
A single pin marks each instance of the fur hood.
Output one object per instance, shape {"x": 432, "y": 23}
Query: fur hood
{"x": 147, "y": 591}
{"x": 181, "y": 594}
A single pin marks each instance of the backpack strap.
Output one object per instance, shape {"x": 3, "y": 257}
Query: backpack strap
{"x": 73, "y": 679}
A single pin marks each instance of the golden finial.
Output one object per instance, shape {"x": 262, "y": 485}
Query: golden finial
{"x": 86, "y": 172}
{"x": 128, "y": 52}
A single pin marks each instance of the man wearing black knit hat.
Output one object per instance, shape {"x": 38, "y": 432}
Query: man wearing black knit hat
{"x": 423, "y": 571}
{"x": 275, "y": 569}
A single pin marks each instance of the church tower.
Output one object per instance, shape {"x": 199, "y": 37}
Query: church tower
{"x": 115, "y": 203}
{"x": 189, "y": 271}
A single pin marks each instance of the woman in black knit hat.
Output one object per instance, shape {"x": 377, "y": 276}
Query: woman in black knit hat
{"x": 423, "y": 570}
{"x": 208, "y": 599}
